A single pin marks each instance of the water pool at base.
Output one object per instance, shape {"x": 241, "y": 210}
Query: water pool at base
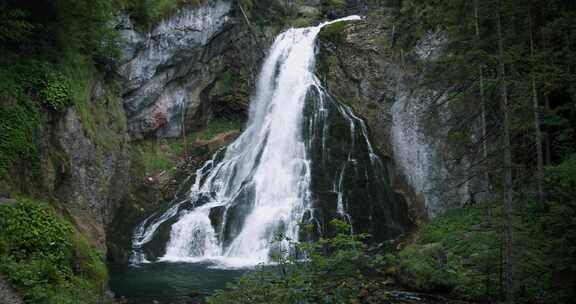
{"x": 169, "y": 282}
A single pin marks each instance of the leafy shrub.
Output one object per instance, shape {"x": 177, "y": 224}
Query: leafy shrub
{"x": 44, "y": 83}
{"x": 55, "y": 91}
{"x": 423, "y": 268}
{"x": 32, "y": 230}
{"x": 47, "y": 29}
{"x": 44, "y": 258}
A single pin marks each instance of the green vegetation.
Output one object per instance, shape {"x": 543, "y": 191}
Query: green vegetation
{"x": 333, "y": 8}
{"x": 50, "y": 53}
{"x": 459, "y": 252}
{"x": 31, "y": 90}
{"x": 150, "y": 12}
{"x": 305, "y": 16}
{"x": 456, "y": 254}
{"x": 513, "y": 65}
{"x": 48, "y": 28}
{"x": 247, "y": 5}
{"x": 281, "y": 14}
{"x": 338, "y": 270}
{"x": 45, "y": 259}
{"x": 560, "y": 227}
{"x": 333, "y": 32}
{"x": 158, "y": 156}
{"x": 218, "y": 126}
{"x": 25, "y": 89}
{"x": 163, "y": 155}
{"x": 18, "y": 121}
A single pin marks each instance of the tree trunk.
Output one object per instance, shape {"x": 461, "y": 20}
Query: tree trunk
{"x": 483, "y": 131}
{"x": 508, "y": 191}
{"x": 537, "y": 132}
{"x": 546, "y": 135}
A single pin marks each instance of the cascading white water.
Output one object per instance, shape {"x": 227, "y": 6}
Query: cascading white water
{"x": 265, "y": 175}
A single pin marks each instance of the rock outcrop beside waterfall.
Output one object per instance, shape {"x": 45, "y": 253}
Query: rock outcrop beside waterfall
{"x": 194, "y": 65}
{"x": 361, "y": 67}
{"x": 83, "y": 161}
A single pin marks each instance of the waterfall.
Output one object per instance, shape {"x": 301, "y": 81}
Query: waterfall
{"x": 287, "y": 168}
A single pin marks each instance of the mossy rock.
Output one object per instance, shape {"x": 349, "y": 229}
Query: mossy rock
{"x": 334, "y": 32}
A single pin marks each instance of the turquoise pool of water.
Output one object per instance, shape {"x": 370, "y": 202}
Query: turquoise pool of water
{"x": 169, "y": 282}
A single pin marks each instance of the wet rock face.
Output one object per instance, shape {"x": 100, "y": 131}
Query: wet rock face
{"x": 386, "y": 87}
{"x": 165, "y": 70}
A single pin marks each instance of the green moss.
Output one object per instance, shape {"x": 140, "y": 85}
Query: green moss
{"x": 18, "y": 122}
{"x": 45, "y": 259}
{"x": 333, "y": 32}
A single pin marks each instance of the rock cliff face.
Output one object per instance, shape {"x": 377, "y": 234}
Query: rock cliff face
{"x": 170, "y": 73}
{"x": 83, "y": 161}
{"x": 93, "y": 180}
{"x": 202, "y": 60}
{"x": 361, "y": 67}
